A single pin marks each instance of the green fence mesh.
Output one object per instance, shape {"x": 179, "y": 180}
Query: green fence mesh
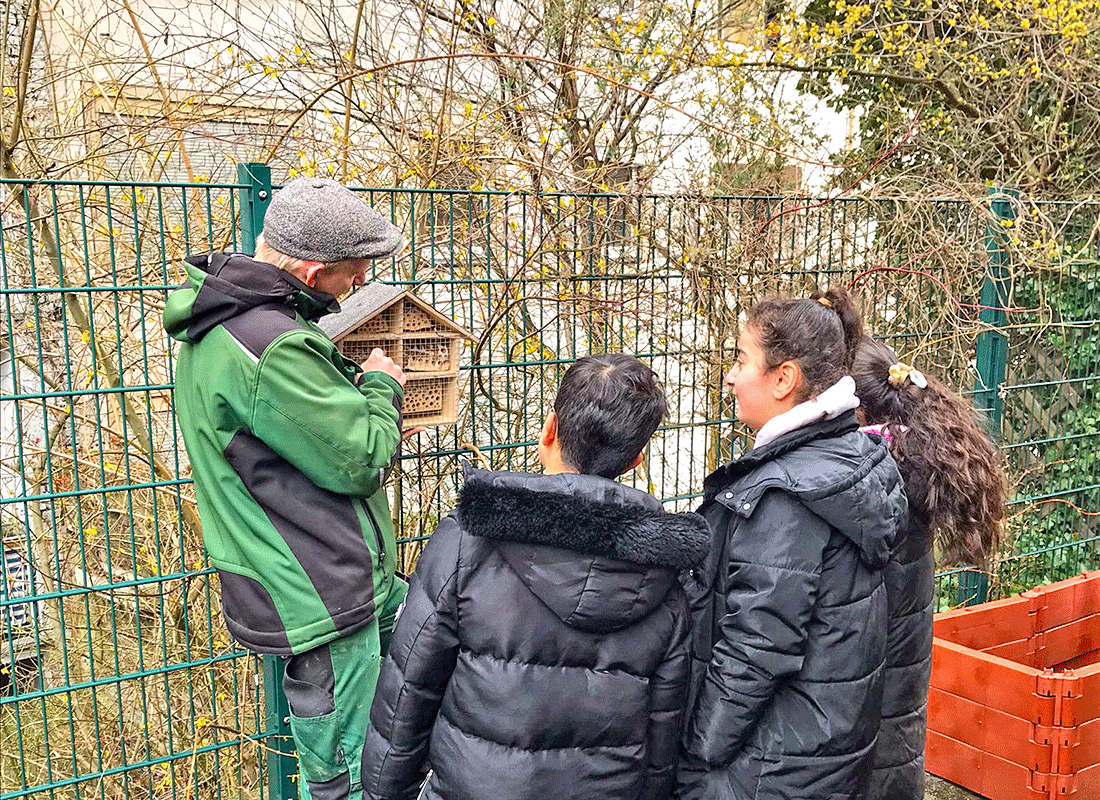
{"x": 119, "y": 679}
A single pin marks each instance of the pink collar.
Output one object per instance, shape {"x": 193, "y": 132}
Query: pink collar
{"x": 882, "y": 430}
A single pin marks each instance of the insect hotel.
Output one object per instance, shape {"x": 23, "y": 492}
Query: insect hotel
{"x": 426, "y": 343}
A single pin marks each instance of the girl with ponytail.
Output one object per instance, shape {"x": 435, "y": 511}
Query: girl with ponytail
{"x": 956, "y": 489}
{"x": 790, "y": 608}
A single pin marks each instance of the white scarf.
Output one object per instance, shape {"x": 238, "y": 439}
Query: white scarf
{"x": 829, "y": 404}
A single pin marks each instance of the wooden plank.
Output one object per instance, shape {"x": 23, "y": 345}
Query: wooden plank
{"x": 1077, "y": 663}
{"x": 1087, "y": 783}
{"x": 1085, "y": 751}
{"x": 988, "y": 624}
{"x": 1053, "y": 368}
{"x": 17, "y": 649}
{"x": 1066, "y": 643}
{"x": 1063, "y": 602}
{"x": 1088, "y": 704}
{"x": 1020, "y": 651}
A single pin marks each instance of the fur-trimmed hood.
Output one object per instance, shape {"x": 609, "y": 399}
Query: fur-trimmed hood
{"x": 600, "y": 554}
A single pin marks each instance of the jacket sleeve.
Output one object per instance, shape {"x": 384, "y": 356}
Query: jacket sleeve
{"x": 421, "y": 659}
{"x": 306, "y": 410}
{"x": 668, "y": 694}
{"x": 773, "y": 570}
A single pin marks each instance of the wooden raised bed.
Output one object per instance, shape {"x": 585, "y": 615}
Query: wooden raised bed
{"x": 1014, "y": 703}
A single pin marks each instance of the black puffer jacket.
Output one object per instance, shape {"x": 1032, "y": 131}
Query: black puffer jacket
{"x": 910, "y": 590}
{"x": 791, "y": 618}
{"x": 542, "y": 650}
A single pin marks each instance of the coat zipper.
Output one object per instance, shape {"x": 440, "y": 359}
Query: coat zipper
{"x": 377, "y": 534}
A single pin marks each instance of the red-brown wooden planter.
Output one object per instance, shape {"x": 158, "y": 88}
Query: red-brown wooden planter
{"x": 1014, "y": 705}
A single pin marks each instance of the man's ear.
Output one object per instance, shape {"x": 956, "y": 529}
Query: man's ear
{"x": 549, "y": 433}
{"x": 309, "y": 277}
{"x": 633, "y": 464}
{"x": 788, "y": 377}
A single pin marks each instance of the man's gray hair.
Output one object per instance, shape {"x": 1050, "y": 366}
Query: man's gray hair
{"x": 269, "y": 255}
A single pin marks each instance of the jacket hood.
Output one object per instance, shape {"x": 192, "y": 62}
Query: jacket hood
{"x": 599, "y": 554}
{"x": 221, "y": 286}
{"x": 843, "y": 476}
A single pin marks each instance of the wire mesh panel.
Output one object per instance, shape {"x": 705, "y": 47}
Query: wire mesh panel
{"x": 424, "y": 398}
{"x": 387, "y": 321}
{"x": 119, "y": 680}
{"x": 427, "y": 355}
{"x": 358, "y": 348}
{"x": 1051, "y": 398}
{"x": 415, "y": 319}
{"x": 541, "y": 280}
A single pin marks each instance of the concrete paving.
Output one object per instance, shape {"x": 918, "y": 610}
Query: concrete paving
{"x": 939, "y": 789}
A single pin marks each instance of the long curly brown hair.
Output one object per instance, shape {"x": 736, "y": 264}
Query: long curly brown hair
{"x": 954, "y": 476}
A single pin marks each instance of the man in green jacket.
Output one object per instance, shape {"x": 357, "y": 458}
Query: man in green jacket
{"x": 290, "y": 445}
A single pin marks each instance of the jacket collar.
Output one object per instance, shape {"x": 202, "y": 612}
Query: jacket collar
{"x": 854, "y": 486}
{"x": 583, "y": 513}
{"x": 831, "y": 403}
{"x": 309, "y": 302}
{"x": 726, "y": 474}
{"x": 255, "y": 283}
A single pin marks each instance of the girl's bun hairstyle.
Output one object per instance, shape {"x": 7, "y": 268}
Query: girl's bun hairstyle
{"x": 820, "y": 333}
{"x": 850, "y": 320}
{"x": 953, "y": 472}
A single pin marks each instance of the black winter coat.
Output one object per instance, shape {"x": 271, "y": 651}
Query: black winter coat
{"x": 910, "y": 590}
{"x": 542, "y": 650}
{"x": 791, "y": 619}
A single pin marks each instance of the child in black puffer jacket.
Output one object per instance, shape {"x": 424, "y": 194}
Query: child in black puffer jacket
{"x": 542, "y": 650}
{"x": 956, "y": 490}
{"x": 791, "y": 607}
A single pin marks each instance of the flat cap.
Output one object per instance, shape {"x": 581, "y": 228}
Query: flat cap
{"x": 317, "y": 219}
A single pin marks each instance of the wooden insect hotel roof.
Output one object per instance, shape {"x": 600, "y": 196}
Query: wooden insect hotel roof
{"x": 426, "y": 343}
{"x": 372, "y": 299}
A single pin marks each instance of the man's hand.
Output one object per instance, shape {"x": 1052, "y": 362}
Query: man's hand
{"x": 378, "y": 361}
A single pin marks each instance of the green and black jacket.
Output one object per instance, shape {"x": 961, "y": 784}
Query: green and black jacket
{"x": 290, "y": 444}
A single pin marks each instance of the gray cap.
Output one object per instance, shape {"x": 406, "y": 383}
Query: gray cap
{"x": 317, "y": 219}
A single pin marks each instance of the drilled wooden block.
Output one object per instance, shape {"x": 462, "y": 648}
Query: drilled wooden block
{"x": 424, "y": 397}
{"x": 416, "y": 319}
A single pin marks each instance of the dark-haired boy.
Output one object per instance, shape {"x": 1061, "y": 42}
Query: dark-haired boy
{"x": 542, "y": 650}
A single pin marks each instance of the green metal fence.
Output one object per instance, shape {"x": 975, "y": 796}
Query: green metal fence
{"x": 119, "y": 679}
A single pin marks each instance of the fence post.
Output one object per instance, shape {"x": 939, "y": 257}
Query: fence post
{"x": 992, "y": 350}
{"x": 992, "y": 346}
{"x": 254, "y": 201}
{"x": 282, "y": 764}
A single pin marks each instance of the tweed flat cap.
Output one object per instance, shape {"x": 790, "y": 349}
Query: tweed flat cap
{"x": 317, "y": 219}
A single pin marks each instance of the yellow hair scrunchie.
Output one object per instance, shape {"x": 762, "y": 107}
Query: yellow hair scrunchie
{"x": 902, "y": 372}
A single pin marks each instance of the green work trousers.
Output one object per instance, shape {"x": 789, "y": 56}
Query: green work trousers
{"x": 329, "y": 690}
